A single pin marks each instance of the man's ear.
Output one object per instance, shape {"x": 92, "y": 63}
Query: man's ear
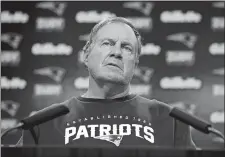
{"x": 137, "y": 62}
{"x": 86, "y": 53}
{"x": 85, "y": 57}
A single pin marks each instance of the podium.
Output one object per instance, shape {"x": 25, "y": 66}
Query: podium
{"x": 105, "y": 152}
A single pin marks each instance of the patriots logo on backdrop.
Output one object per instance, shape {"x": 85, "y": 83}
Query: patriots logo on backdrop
{"x": 115, "y": 139}
{"x": 84, "y": 37}
{"x": 144, "y": 7}
{"x": 144, "y": 73}
{"x": 218, "y": 4}
{"x": 219, "y": 71}
{"x": 12, "y": 39}
{"x": 217, "y": 117}
{"x": 9, "y": 106}
{"x": 7, "y": 123}
{"x": 55, "y": 73}
{"x": 186, "y": 38}
{"x": 56, "y": 7}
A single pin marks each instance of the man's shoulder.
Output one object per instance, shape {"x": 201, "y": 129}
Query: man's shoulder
{"x": 69, "y": 102}
{"x": 66, "y": 101}
{"x": 153, "y": 104}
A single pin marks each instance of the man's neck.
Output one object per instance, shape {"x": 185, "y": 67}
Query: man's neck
{"x": 106, "y": 90}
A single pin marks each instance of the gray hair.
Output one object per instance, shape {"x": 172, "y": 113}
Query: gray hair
{"x": 111, "y": 20}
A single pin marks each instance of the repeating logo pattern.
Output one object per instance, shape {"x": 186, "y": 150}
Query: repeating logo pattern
{"x": 182, "y": 52}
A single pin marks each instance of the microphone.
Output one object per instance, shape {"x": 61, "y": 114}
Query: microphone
{"x": 44, "y": 115}
{"x": 39, "y": 117}
{"x": 191, "y": 120}
{"x": 194, "y": 121}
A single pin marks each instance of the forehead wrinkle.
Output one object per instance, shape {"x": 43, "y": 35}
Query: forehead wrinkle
{"x": 113, "y": 23}
{"x": 109, "y": 38}
{"x": 96, "y": 36}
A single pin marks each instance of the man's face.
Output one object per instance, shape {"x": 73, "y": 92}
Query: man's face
{"x": 113, "y": 54}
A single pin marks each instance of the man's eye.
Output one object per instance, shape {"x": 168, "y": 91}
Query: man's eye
{"x": 106, "y": 43}
{"x": 128, "y": 48}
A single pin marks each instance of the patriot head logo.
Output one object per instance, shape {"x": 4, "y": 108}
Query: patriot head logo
{"x": 12, "y": 39}
{"x": 55, "y": 73}
{"x": 144, "y": 74}
{"x": 115, "y": 139}
{"x": 144, "y": 7}
{"x": 9, "y": 106}
{"x": 186, "y": 38}
{"x": 56, "y": 7}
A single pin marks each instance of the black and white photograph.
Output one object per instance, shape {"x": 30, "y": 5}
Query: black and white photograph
{"x": 112, "y": 78}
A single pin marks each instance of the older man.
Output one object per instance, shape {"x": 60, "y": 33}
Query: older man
{"x": 108, "y": 114}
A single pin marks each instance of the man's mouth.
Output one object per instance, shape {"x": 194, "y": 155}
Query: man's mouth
{"x": 115, "y": 65}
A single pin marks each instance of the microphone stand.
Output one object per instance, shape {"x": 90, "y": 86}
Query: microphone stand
{"x": 19, "y": 126}
{"x": 216, "y": 132}
{"x": 37, "y": 152}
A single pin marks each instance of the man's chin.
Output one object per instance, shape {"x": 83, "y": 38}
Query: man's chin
{"x": 114, "y": 80}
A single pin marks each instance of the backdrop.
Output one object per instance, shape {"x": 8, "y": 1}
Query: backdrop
{"x": 182, "y": 61}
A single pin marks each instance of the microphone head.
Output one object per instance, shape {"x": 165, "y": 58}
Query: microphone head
{"x": 44, "y": 115}
{"x": 190, "y": 120}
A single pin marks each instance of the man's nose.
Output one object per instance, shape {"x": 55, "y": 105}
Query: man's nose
{"x": 117, "y": 51}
